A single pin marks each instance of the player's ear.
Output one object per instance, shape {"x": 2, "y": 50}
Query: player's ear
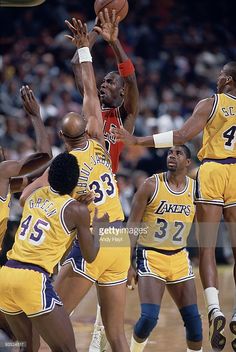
{"x": 122, "y": 92}
{"x": 188, "y": 162}
{"x": 229, "y": 79}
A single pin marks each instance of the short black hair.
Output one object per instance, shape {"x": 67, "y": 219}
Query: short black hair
{"x": 64, "y": 173}
{"x": 186, "y": 150}
{"x": 120, "y": 79}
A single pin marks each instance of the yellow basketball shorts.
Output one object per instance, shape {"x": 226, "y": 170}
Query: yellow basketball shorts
{"x": 170, "y": 268}
{"x": 108, "y": 269}
{"x": 216, "y": 184}
{"x": 26, "y": 288}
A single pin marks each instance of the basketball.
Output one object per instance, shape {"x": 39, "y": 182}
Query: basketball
{"x": 121, "y": 7}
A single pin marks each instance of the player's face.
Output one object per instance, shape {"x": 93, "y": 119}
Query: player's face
{"x": 110, "y": 90}
{"x": 176, "y": 159}
{"x": 222, "y": 80}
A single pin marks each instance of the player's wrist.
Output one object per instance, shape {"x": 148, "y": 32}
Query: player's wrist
{"x": 163, "y": 140}
{"x": 84, "y": 54}
{"x": 126, "y": 68}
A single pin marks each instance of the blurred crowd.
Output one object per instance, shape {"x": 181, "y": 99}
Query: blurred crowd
{"x": 178, "y": 48}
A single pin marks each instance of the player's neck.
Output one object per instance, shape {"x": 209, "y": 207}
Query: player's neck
{"x": 80, "y": 143}
{"x": 230, "y": 90}
{"x": 175, "y": 180}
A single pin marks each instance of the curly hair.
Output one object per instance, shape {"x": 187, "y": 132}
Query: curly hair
{"x": 64, "y": 173}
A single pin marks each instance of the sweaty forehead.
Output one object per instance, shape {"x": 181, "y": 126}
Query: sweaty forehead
{"x": 113, "y": 76}
{"x": 176, "y": 148}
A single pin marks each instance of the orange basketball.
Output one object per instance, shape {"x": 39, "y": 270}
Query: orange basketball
{"x": 121, "y": 7}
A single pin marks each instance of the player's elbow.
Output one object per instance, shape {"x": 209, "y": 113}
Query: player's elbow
{"x": 22, "y": 200}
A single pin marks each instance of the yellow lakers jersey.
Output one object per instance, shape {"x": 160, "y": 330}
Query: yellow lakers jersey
{"x": 168, "y": 216}
{"x": 96, "y": 174}
{"x": 4, "y": 215}
{"x": 219, "y": 135}
{"x": 42, "y": 237}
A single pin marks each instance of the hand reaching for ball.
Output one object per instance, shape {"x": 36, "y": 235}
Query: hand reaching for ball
{"x": 80, "y": 33}
{"x": 108, "y": 28}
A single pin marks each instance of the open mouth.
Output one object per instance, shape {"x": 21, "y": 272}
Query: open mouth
{"x": 172, "y": 163}
{"x": 102, "y": 92}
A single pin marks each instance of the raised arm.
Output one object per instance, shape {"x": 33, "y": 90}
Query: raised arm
{"x": 191, "y": 128}
{"x": 41, "y": 181}
{"x": 93, "y": 35}
{"x": 32, "y": 109}
{"x": 108, "y": 29}
{"x": 15, "y": 168}
{"x": 91, "y": 104}
{"x": 21, "y": 183}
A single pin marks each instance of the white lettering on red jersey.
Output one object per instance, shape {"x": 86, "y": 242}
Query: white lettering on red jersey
{"x": 111, "y": 118}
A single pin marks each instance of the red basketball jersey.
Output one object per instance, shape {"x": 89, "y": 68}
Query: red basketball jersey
{"x": 111, "y": 118}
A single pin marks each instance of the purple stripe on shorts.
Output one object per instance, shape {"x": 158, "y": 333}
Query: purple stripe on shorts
{"x": 20, "y": 265}
{"x": 221, "y": 161}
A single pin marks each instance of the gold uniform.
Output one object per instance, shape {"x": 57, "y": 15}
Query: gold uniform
{"x": 112, "y": 262}
{"x": 4, "y": 215}
{"x": 40, "y": 242}
{"x": 216, "y": 176}
{"x": 166, "y": 222}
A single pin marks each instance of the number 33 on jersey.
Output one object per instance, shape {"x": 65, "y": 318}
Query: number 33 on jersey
{"x": 96, "y": 175}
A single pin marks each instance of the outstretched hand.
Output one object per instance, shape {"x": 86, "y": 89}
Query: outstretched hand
{"x": 124, "y": 136}
{"x": 108, "y": 26}
{"x": 29, "y": 101}
{"x": 87, "y": 198}
{"x": 79, "y": 30}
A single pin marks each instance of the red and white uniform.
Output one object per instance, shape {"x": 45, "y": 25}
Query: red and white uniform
{"x": 111, "y": 118}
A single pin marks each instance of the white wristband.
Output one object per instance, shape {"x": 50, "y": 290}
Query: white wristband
{"x": 163, "y": 140}
{"x": 84, "y": 55}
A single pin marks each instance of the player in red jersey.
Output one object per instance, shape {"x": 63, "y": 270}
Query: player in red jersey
{"x": 119, "y": 103}
{"x": 118, "y": 91}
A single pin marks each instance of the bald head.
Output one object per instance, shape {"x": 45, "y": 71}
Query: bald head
{"x": 73, "y": 125}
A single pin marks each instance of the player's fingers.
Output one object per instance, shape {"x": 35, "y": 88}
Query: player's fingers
{"x": 106, "y": 16}
{"x": 113, "y": 16}
{"x": 69, "y": 25}
{"x": 22, "y": 92}
{"x": 75, "y": 23}
{"x": 101, "y": 17}
{"x": 69, "y": 37}
{"x": 79, "y": 26}
{"x": 117, "y": 20}
{"x": 85, "y": 29}
{"x": 97, "y": 29}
